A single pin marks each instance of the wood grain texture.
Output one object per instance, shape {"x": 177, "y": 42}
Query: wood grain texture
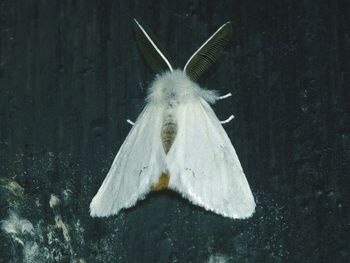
{"x": 71, "y": 74}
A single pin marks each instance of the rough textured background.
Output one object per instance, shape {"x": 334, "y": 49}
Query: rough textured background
{"x": 70, "y": 74}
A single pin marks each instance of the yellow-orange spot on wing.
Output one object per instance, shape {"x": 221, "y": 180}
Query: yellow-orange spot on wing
{"x": 162, "y": 183}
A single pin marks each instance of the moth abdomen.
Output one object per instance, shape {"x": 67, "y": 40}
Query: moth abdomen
{"x": 168, "y": 134}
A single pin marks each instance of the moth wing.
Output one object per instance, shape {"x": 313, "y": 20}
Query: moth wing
{"x": 138, "y": 164}
{"x": 204, "y": 166}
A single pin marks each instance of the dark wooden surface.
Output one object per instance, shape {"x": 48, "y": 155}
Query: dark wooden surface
{"x": 70, "y": 76}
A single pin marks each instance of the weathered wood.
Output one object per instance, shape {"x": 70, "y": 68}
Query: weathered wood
{"x": 71, "y": 74}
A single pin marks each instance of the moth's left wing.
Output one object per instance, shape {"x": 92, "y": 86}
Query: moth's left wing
{"x": 137, "y": 166}
{"x": 204, "y": 166}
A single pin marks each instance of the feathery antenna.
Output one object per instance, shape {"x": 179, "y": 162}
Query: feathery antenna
{"x": 208, "y": 53}
{"x": 151, "y": 52}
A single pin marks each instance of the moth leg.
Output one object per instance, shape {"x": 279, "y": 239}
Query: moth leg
{"x": 130, "y": 122}
{"x": 228, "y": 119}
{"x": 225, "y": 96}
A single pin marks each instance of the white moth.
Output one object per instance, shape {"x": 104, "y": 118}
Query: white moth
{"x": 177, "y": 142}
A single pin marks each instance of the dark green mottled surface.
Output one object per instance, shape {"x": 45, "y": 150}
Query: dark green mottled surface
{"x": 70, "y": 74}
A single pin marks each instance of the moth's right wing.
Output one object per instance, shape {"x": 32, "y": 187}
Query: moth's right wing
{"x": 137, "y": 166}
{"x": 204, "y": 166}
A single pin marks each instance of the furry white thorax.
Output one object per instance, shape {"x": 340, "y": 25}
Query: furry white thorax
{"x": 172, "y": 88}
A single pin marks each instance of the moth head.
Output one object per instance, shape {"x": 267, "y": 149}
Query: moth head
{"x": 171, "y": 85}
{"x": 198, "y": 63}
